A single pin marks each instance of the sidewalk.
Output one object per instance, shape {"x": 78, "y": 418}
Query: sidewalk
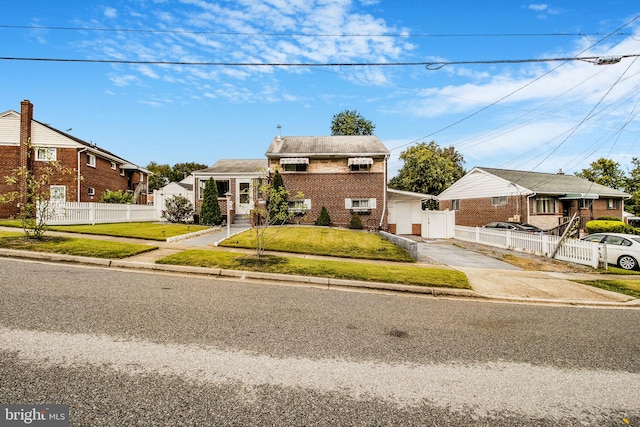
{"x": 489, "y": 278}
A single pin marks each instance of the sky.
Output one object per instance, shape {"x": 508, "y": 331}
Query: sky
{"x": 174, "y": 81}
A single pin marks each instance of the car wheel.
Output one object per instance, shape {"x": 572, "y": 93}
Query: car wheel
{"x": 627, "y": 262}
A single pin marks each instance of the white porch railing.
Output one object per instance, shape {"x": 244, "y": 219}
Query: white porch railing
{"x": 571, "y": 250}
{"x": 70, "y": 213}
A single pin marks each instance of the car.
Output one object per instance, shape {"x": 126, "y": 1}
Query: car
{"x": 515, "y": 226}
{"x": 623, "y": 250}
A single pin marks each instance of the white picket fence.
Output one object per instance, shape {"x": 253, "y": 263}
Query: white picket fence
{"x": 571, "y": 250}
{"x": 70, "y": 213}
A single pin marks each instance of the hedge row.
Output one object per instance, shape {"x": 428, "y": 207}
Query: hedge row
{"x": 610, "y": 226}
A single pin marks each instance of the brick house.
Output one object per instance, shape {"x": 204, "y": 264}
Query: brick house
{"x": 100, "y": 170}
{"x": 234, "y": 176}
{"x": 345, "y": 174}
{"x": 545, "y": 200}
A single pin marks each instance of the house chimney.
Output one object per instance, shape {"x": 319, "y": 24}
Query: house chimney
{"x": 26, "y": 116}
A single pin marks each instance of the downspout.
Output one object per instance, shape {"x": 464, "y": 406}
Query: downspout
{"x": 384, "y": 193}
{"x": 529, "y": 206}
{"x": 80, "y": 176}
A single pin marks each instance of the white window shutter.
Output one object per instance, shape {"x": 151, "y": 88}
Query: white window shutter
{"x": 372, "y": 203}
{"x": 347, "y": 203}
{"x": 307, "y": 204}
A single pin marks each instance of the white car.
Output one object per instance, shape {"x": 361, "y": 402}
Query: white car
{"x": 623, "y": 250}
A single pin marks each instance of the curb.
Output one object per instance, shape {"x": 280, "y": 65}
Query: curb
{"x": 324, "y": 282}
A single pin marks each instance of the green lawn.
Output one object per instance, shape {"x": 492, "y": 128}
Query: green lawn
{"x": 139, "y": 230}
{"x": 72, "y": 246}
{"x": 629, "y": 287}
{"x": 351, "y": 270}
{"x": 324, "y": 241}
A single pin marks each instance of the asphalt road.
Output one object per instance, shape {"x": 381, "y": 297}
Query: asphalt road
{"x": 126, "y": 348}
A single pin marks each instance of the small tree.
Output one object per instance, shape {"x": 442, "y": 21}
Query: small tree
{"x": 34, "y": 192}
{"x": 210, "y": 211}
{"x": 122, "y": 197}
{"x": 323, "y": 219}
{"x": 178, "y": 209}
{"x": 355, "y": 223}
{"x": 273, "y": 210}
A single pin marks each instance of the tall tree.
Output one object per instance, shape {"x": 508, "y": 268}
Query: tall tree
{"x": 160, "y": 175}
{"x": 350, "y": 122}
{"x": 605, "y": 172}
{"x": 182, "y": 170}
{"x": 428, "y": 169}
{"x": 210, "y": 210}
{"x": 633, "y": 187}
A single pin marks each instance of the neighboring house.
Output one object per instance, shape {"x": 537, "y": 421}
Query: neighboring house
{"x": 100, "y": 170}
{"x": 545, "y": 200}
{"x": 183, "y": 188}
{"x": 345, "y": 174}
{"x": 235, "y": 179}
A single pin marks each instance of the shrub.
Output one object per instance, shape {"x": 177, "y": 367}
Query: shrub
{"x": 178, "y": 209}
{"x": 607, "y": 218}
{"x": 210, "y": 211}
{"x": 117, "y": 197}
{"x": 608, "y": 226}
{"x": 355, "y": 223}
{"x": 323, "y": 219}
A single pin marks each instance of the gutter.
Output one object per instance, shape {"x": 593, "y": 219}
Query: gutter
{"x": 384, "y": 193}
{"x": 80, "y": 176}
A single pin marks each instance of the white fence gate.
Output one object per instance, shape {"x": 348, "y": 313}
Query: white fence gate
{"x": 69, "y": 213}
{"x": 438, "y": 224}
{"x": 572, "y": 250}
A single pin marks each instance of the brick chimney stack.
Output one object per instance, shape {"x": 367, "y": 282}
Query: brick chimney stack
{"x": 26, "y": 116}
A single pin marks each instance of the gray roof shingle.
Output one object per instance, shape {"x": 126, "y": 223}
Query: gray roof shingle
{"x": 236, "y": 166}
{"x": 326, "y": 146}
{"x": 550, "y": 183}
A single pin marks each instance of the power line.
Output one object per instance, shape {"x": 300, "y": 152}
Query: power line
{"x": 256, "y": 34}
{"x": 597, "y": 60}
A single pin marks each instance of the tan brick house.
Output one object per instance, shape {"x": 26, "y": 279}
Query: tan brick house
{"x": 100, "y": 169}
{"x": 545, "y": 200}
{"x": 345, "y": 174}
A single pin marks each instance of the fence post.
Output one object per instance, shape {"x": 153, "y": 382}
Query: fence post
{"x": 92, "y": 213}
{"x": 545, "y": 246}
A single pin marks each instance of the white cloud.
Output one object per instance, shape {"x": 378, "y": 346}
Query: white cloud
{"x": 110, "y": 12}
{"x": 538, "y": 7}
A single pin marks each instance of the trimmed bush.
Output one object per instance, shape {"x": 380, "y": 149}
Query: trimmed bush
{"x": 355, "y": 223}
{"x": 608, "y": 226}
{"x": 323, "y": 219}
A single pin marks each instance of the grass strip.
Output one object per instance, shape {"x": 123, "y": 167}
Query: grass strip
{"x": 325, "y": 241}
{"x": 629, "y": 287}
{"x": 72, "y": 246}
{"x": 137, "y": 230}
{"x": 350, "y": 270}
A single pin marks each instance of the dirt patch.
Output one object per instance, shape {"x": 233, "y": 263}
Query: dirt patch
{"x": 524, "y": 260}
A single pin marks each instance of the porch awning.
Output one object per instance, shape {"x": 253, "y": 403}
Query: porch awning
{"x": 360, "y": 161}
{"x": 575, "y": 196}
{"x": 294, "y": 161}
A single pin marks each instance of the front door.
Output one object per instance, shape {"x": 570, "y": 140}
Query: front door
{"x": 243, "y": 201}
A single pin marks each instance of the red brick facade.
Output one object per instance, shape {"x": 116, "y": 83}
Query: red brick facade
{"x": 105, "y": 174}
{"x": 478, "y": 212}
{"x": 330, "y": 189}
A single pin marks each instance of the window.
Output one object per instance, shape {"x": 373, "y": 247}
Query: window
{"x": 585, "y": 203}
{"x": 295, "y": 167}
{"x": 223, "y": 188}
{"x": 91, "y": 160}
{"x": 613, "y": 203}
{"x": 299, "y": 206}
{"x": 113, "y": 165}
{"x": 545, "y": 205}
{"x": 360, "y": 164}
{"x": 92, "y": 191}
{"x": 45, "y": 154}
{"x": 499, "y": 201}
{"x": 58, "y": 193}
{"x": 121, "y": 170}
{"x": 455, "y": 205}
{"x": 360, "y": 205}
